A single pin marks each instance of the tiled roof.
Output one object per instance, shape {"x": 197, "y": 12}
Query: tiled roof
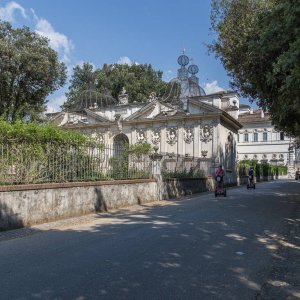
{"x": 255, "y": 117}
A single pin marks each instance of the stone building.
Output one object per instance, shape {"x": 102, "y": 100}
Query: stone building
{"x": 191, "y": 125}
{"x": 259, "y": 140}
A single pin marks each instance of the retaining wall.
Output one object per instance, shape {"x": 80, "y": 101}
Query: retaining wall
{"x": 31, "y": 204}
{"x": 25, "y": 205}
{"x": 176, "y": 187}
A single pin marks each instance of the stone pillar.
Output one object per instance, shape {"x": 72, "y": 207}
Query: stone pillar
{"x": 156, "y": 164}
{"x": 291, "y": 162}
{"x": 156, "y": 172}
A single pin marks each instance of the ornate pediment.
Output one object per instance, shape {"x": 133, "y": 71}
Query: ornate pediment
{"x": 198, "y": 107}
{"x": 150, "y": 110}
{"x": 97, "y": 117}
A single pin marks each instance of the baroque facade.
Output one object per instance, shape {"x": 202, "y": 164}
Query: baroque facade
{"x": 192, "y": 125}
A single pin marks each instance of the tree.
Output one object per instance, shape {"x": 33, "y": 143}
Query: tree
{"x": 138, "y": 80}
{"x": 84, "y": 78}
{"x": 258, "y": 43}
{"x": 29, "y": 72}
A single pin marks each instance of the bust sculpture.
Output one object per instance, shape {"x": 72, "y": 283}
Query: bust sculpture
{"x": 123, "y": 97}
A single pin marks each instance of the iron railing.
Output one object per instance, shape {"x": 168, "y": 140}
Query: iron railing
{"x": 26, "y": 163}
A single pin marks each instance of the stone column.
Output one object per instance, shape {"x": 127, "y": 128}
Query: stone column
{"x": 156, "y": 164}
{"x": 156, "y": 172}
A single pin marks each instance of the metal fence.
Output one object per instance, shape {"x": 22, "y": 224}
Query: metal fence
{"x": 178, "y": 166}
{"x": 41, "y": 163}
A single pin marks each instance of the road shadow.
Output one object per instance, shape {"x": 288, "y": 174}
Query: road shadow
{"x": 196, "y": 248}
{"x": 8, "y": 219}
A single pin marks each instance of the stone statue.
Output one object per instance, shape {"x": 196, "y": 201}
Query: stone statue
{"x": 141, "y": 136}
{"x": 155, "y": 137}
{"x": 171, "y": 136}
{"x": 118, "y": 119}
{"x": 188, "y": 135}
{"x": 206, "y": 133}
{"x": 123, "y": 97}
{"x": 152, "y": 97}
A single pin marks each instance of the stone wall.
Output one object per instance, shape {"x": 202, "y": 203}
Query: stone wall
{"x": 31, "y": 204}
{"x": 25, "y": 205}
{"x": 176, "y": 187}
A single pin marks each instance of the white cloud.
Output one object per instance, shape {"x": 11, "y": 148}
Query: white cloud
{"x": 125, "y": 60}
{"x": 58, "y": 41}
{"x": 7, "y": 12}
{"x": 54, "y": 104}
{"x": 212, "y": 87}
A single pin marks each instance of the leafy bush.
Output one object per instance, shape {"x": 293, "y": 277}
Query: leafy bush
{"x": 183, "y": 174}
{"x": 260, "y": 169}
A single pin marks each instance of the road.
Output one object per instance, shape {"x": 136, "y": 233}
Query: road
{"x": 245, "y": 246}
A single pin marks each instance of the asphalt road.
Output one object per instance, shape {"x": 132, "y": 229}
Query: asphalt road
{"x": 245, "y": 246}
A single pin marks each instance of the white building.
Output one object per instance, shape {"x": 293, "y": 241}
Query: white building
{"x": 190, "y": 125}
{"x": 258, "y": 140}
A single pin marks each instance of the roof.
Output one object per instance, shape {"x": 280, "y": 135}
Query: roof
{"x": 244, "y": 106}
{"x": 254, "y": 117}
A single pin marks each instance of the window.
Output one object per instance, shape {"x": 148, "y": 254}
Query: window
{"x": 255, "y": 136}
{"x": 265, "y": 136}
{"x": 245, "y": 137}
{"x": 281, "y": 136}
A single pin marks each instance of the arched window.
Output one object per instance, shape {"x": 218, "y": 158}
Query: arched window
{"x": 265, "y": 136}
{"x": 246, "y": 138}
{"x": 119, "y": 144}
{"x": 255, "y": 137}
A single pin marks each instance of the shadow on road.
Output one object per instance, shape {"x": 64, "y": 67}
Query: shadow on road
{"x": 246, "y": 246}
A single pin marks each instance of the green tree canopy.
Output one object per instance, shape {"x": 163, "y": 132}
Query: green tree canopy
{"x": 259, "y": 44}
{"x": 29, "y": 72}
{"x": 138, "y": 80}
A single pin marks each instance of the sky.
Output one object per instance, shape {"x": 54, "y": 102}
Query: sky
{"x": 119, "y": 31}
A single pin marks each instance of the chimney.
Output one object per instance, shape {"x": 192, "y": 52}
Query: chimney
{"x": 262, "y": 114}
